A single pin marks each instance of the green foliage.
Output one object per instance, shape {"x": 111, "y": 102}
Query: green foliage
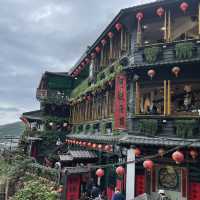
{"x": 14, "y": 129}
{"x": 148, "y": 126}
{"x": 151, "y": 54}
{"x": 186, "y": 128}
{"x": 184, "y": 50}
{"x": 36, "y": 190}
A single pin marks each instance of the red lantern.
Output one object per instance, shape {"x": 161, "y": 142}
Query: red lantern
{"x": 100, "y": 146}
{"x": 151, "y": 73}
{"x": 118, "y": 26}
{"x": 84, "y": 144}
{"x": 184, "y": 6}
{"x": 120, "y": 171}
{"x": 83, "y": 64}
{"x": 80, "y": 143}
{"x": 137, "y": 152}
{"x": 94, "y": 146}
{"x": 103, "y": 42}
{"x": 87, "y": 60}
{"x": 110, "y": 35}
{"x": 176, "y": 71}
{"x": 160, "y": 11}
{"x": 93, "y": 55}
{"x": 99, "y": 173}
{"x": 77, "y": 142}
{"x": 107, "y": 148}
{"x": 60, "y": 189}
{"x": 193, "y": 154}
{"x": 97, "y": 49}
{"x": 148, "y": 164}
{"x": 88, "y": 97}
{"x": 139, "y": 16}
{"x": 161, "y": 152}
{"x": 89, "y": 144}
{"x": 178, "y": 157}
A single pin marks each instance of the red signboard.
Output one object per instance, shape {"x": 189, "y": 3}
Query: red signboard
{"x": 120, "y": 102}
{"x": 139, "y": 185}
{"x": 73, "y": 187}
{"x": 194, "y": 189}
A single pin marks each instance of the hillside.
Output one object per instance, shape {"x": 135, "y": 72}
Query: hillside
{"x": 14, "y": 129}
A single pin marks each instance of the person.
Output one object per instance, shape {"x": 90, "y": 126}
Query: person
{"x": 89, "y": 186}
{"x": 163, "y": 195}
{"x": 95, "y": 192}
{"x": 118, "y": 195}
{"x": 153, "y": 108}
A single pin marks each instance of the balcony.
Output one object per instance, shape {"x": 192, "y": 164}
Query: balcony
{"x": 166, "y": 126}
{"x": 52, "y": 96}
{"x": 166, "y": 53}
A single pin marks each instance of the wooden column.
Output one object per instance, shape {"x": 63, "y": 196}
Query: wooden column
{"x": 111, "y": 48}
{"x": 169, "y": 27}
{"x": 137, "y": 98}
{"x": 102, "y": 57}
{"x": 165, "y": 25}
{"x": 122, "y": 40}
{"x": 169, "y": 98}
{"x": 165, "y": 97}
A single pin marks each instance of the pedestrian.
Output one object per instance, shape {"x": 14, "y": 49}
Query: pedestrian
{"x": 118, "y": 195}
{"x": 95, "y": 192}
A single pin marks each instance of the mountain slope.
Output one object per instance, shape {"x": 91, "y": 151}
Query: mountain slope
{"x": 14, "y": 129}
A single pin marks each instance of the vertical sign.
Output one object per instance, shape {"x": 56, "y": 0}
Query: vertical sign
{"x": 73, "y": 187}
{"x": 130, "y": 175}
{"x": 120, "y": 102}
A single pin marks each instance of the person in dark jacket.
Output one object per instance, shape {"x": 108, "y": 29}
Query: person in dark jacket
{"x": 95, "y": 192}
{"x": 118, "y": 195}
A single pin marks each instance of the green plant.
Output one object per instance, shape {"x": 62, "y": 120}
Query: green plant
{"x": 184, "y": 50}
{"x": 151, "y": 54}
{"x": 185, "y": 128}
{"x": 148, "y": 126}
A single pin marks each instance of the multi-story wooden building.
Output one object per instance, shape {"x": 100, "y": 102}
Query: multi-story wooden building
{"x": 137, "y": 90}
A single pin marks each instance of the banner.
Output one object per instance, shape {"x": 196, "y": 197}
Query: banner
{"x": 120, "y": 102}
{"x": 73, "y": 187}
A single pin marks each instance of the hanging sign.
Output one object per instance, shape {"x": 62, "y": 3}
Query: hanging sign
{"x": 120, "y": 102}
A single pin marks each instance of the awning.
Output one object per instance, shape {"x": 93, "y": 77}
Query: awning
{"x": 78, "y": 155}
{"x": 36, "y": 115}
{"x": 166, "y": 141}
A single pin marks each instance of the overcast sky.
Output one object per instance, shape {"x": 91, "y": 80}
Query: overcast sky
{"x": 39, "y": 35}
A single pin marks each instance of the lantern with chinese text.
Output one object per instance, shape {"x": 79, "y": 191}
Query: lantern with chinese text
{"x": 139, "y": 16}
{"x": 120, "y": 171}
{"x": 193, "y": 153}
{"x": 148, "y": 165}
{"x": 97, "y": 49}
{"x": 160, "y": 11}
{"x": 161, "y": 152}
{"x": 110, "y": 35}
{"x": 118, "y": 26}
{"x": 176, "y": 71}
{"x": 184, "y": 6}
{"x": 99, "y": 173}
{"x": 103, "y": 42}
{"x": 178, "y": 157}
{"x": 151, "y": 73}
{"x": 137, "y": 152}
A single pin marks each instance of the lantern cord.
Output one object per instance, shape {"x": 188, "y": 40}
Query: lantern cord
{"x": 140, "y": 159}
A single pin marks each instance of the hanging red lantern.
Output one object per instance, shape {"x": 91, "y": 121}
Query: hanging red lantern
{"x": 118, "y": 26}
{"x": 79, "y": 68}
{"x": 60, "y": 189}
{"x": 160, "y": 11}
{"x": 137, "y": 152}
{"x": 176, "y": 71}
{"x": 74, "y": 141}
{"x": 184, "y": 6}
{"x": 120, "y": 171}
{"x": 80, "y": 143}
{"x": 161, "y": 152}
{"x": 103, "y": 42}
{"x": 100, "y": 146}
{"x": 93, "y": 55}
{"x": 110, "y": 35}
{"x": 148, "y": 164}
{"x": 107, "y": 148}
{"x": 151, "y": 73}
{"x": 178, "y": 157}
{"x": 84, "y": 144}
{"x": 139, "y": 16}
{"x": 94, "y": 146}
{"x": 193, "y": 153}
{"x": 99, "y": 174}
{"x": 77, "y": 142}
{"x": 97, "y": 49}
{"x": 87, "y": 60}
{"x": 88, "y": 97}
{"x": 89, "y": 144}
{"x": 83, "y": 64}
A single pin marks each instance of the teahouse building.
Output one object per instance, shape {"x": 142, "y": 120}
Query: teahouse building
{"x": 133, "y": 96}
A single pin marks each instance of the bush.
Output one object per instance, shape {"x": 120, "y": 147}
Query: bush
{"x": 148, "y": 126}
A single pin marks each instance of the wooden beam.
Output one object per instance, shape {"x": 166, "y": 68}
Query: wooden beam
{"x": 137, "y": 98}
